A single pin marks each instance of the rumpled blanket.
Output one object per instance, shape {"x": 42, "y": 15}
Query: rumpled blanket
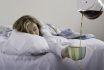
{"x": 69, "y": 34}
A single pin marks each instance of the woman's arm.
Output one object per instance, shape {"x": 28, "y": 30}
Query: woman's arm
{"x": 56, "y": 47}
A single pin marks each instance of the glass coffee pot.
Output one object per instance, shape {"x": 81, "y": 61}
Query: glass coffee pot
{"x": 91, "y": 9}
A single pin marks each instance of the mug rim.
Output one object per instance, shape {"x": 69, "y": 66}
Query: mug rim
{"x": 77, "y": 46}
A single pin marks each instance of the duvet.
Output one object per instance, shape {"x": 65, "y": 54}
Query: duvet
{"x": 92, "y": 61}
{"x": 15, "y": 62}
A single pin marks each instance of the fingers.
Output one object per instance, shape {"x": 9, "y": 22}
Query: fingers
{"x": 65, "y": 53}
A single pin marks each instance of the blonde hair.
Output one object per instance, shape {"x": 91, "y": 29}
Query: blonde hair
{"x": 22, "y": 24}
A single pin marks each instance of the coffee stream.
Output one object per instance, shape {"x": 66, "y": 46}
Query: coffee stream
{"x": 81, "y": 28}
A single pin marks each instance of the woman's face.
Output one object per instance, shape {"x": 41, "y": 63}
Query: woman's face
{"x": 33, "y": 29}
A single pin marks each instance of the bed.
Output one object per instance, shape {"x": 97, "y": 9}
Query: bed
{"x": 92, "y": 61}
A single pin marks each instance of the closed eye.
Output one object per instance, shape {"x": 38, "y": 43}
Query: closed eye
{"x": 34, "y": 29}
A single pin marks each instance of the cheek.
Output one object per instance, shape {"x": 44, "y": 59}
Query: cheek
{"x": 36, "y": 32}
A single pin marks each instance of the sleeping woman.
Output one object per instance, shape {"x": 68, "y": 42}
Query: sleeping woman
{"x": 27, "y": 39}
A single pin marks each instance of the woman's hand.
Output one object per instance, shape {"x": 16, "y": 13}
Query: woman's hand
{"x": 65, "y": 53}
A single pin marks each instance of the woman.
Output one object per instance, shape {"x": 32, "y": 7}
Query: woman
{"x": 26, "y": 39}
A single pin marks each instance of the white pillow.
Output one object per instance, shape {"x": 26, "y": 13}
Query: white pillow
{"x": 20, "y": 43}
{"x": 38, "y": 44}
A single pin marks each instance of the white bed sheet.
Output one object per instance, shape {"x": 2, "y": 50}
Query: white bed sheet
{"x": 92, "y": 61}
{"x": 14, "y": 62}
